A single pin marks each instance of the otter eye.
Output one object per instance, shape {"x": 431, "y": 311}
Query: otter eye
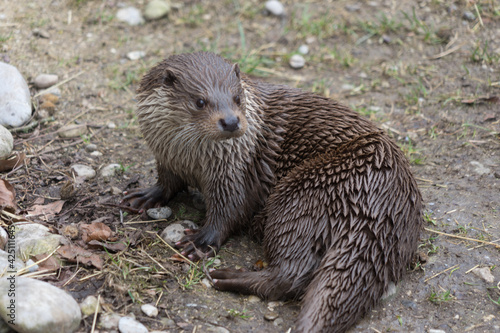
{"x": 237, "y": 100}
{"x": 201, "y": 103}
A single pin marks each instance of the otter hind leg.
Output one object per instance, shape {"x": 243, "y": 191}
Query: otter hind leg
{"x": 143, "y": 199}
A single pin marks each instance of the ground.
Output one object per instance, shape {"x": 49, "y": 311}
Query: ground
{"x": 420, "y": 70}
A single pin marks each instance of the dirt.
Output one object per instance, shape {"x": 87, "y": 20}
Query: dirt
{"x": 420, "y": 70}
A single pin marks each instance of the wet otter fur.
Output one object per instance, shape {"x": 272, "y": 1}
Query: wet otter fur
{"x": 330, "y": 194}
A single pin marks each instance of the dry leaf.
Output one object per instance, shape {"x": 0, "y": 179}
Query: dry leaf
{"x": 7, "y": 197}
{"x": 13, "y": 161}
{"x": 49, "y": 210}
{"x": 95, "y": 231}
{"x": 50, "y": 264}
{"x": 76, "y": 254}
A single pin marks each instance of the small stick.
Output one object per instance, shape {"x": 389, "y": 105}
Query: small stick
{"x": 156, "y": 262}
{"x": 470, "y": 270}
{"x": 432, "y": 277}
{"x": 21, "y": 271}
{"x": 90, "y": 276}
{"x": 461, "y": 237}
{"x": 478, "y": 14}
{"x": 95, "y": 313}
{"x": 72, "y": 277}
{"x": 180, "y": 255}
{"x": 445, "y": 53}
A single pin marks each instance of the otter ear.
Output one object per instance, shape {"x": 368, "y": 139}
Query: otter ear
{"x": 169, "y": 78}
{"x": 236, "y": 70}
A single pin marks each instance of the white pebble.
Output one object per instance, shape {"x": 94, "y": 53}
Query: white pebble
{"x": 159, "y": 213}
{"x": 83, "y": 171}
{"x": 130, "y": 15}
{"x": 43, "y": 81}
{"x": 110, "y": 170}
{"x": 297, "y": 61}
{"x": 156, "y": 9}
{"x": 275, "y": 7}
{"x": 130, "y": 325}
{"x": 136, "y": 55}
{"x": 304, "y": 49}
{"x": 149, "y": 310}
{"x": 15, "y": 100}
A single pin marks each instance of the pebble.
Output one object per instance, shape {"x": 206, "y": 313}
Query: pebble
{"x": 270, "y": 315}
{"x": 386, "y": 39}
{"x": 4, "y": 238}
{"x": 6, "y": 142}
{"x": 40, "y": 33}
{"x": 353, "y": 8}
{"x": 40, "y": 307}
{"x": 484, "y": 273}
{"x": 347, "y": 86}
{"x": 156, "y": 9}
{"x": 304, "y": 49}
{"x": 253, "y": 299}
{"x": 43, "y": 81}
{"x": 432, "y": 330}
{"x": 109, "y": 321}
{"x": 297, "y": 61}
{"x": 468, "y": 16}
{"x": 390, "y": 292}
{"x": 159, "y": 213}
{"x": 218, "y": 329}
{"x": 130, "y": 325}
{"x": 409, "y": 304}
{"x": 205, "y": 283}
{"x": 96, "y": 154}
{"x": 15, "y": 100}
{"x": 149, "y": 310}
{"x": 111, "y": 125}
{"x": 5, "y": 265}
{"x": 479, "y": 168}
{"x": 136, "y": 55}
{"x": 90, "y": 147}
{"x": 83, "y": 171}
{"x": 88, "y": 306}
{"x": 275, "y": 7}
{"x": 72, "y": 131}
{"x": 33, "y": 267}
{"x": 110, "y": 170}
{"x": 33, "y": 239}
{"x": 130, "y": 15}
{"x": 174, "y": 232}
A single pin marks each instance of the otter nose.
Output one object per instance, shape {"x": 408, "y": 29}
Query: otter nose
{"x": 229, "y": 124}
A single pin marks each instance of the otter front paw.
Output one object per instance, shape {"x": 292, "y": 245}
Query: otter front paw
{"x": 143, "y": 199}
{"x": 199, "y": 243}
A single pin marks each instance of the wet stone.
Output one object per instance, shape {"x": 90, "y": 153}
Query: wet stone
{"x": 159, "y": 213}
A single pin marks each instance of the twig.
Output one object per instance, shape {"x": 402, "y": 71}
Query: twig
{"x": 464, "y": 238}
{"x": 58, "y": 84}
{"x": 478, "y": 15}
{"x": 445, "y": 53}
{"x": 470, "y": 270}
{"x": 95, "y": 313}
{"x": 432, "y": 277}
{"x": 178, "y": 253}
{"x": 90, "y": 276}
{"x": 22, "y": 270}
{"x": 156, "y": 262}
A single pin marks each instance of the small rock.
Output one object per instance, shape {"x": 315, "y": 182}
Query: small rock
{"x": 83, "y": 171}
{"x": 275, "y": 7}
{"x": 15, "y": 100}
{"x": 373, "y": 4}
{"x": 43, "y": 81}
{"x": 409, "y": 304}
{"x": 353, "y": 8}
{"x": 390, "y": 292}
{"x": 270, "y": 315}
{"x": 48, "y": 106}
{"x": 174, "y": 232}
{"x": 278, "y": 321}
{"x": 452, "y": 8}
{"x": 41, "y": 33}
{"x": 6, "y": 142}
{"x": 159, "y": 213}
{"x": 253, "y": 299}
{"x": 136, "y": 55}
{"x": 110, "y": 170}
{"x": 468, "y": 16}
{"x": 205, "y": 283}
{"x": 386, "y": 39}
{"x": 109, "y": 321}
{"x": 90, "y": 147}
{"x": 88, "y": 306}
{"x": 4, "y": 238}
{"x": 130, "y": 15}
{"x": 480, "y": 169}
{"x": 432, "y": 330}
{"x": 303, "y": 49}
{"x": 218, "y": 329}
{"x": 167, "y": 322}
{"x": 31, "y": 266}
{"x": 484, "y": 273}
{"x": 40, "y": 307}
{"x": 149, "y": 310}
{"x": 72, "y": 131}
{"x": 111, "y": 125}
{"x": 297, "y": 61}
{"x": 96, "y": 154}
{"x": 33, "y": 239}
{"x": 347, "y": 87}
{"x": 130, "y": 325}
{"x": 156, "y": 9}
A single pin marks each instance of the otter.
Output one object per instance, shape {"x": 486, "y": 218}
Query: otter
{"x": 330, "y": 194}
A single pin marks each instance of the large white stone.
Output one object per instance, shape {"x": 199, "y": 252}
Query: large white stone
{"x": 15, "y": 102}
{"x": 39, "y": 307}
{"x": 33, "y": 239}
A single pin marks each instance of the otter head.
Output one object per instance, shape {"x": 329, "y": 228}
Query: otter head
{"x": 201, "y": 90}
